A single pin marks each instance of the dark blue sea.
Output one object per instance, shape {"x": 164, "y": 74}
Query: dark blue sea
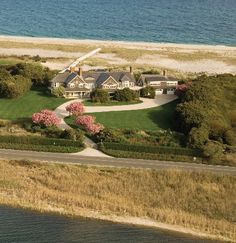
{"x": 176, "y": 21}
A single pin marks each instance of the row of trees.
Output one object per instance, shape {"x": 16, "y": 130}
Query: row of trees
{"x": 16, "y": 80}
{"x": 207, "y": 114}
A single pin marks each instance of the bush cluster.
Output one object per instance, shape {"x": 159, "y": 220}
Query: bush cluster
{"x": 126, "y": 95}
{"x": 147, "y": 92}
{"x": 16, "y": 80}
{"x": 100, "y": 96}
{"x": 206, "y": 114}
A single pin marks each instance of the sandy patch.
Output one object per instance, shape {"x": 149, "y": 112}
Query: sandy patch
{"x": 40, "y": 52}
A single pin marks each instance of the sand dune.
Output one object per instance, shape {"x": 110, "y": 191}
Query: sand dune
{"x": 212, "y": 59}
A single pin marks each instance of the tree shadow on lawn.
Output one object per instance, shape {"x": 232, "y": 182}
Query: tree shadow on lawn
{"x": 164, "y": 115}
{"x": 42, "y": 91}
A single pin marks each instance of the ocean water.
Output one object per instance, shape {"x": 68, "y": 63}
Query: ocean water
{"x": 176, "y": 21}
{"x": 18, "y": 226}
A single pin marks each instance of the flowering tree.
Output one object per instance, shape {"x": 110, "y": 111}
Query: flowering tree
{"x": 76, "y": 108}
{"x": 88, "y": 122}
{"x": 46, "y": 117}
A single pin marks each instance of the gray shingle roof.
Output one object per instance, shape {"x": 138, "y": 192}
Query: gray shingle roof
{"x": 61, "y": 77}
{"x": 150, "y": 78}
{"x": 94, "y": 77}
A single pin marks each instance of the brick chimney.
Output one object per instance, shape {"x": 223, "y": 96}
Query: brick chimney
{"x": 165, "y": 73}
{"x": 72, "y": 69}
{"x": 131, "y": 69}
{"x": 80, "y": 71}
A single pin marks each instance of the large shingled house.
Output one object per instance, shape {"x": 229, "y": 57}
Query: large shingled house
{"x": 80, "y": 84}
{"x": 163, "y": 84}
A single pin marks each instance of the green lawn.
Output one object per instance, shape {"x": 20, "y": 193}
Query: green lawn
{"x": 111, "y": 103}
{"x": 6, "y": 61}
{"x": 24, "y": 107}
{"x": 161, "y": 117}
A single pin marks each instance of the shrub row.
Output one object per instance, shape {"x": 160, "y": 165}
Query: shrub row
{"x": 152, "y": 149}
{"x": 40, "y": 148}
{"x": 34, "y": 140}
{"x": 150, "y": 156}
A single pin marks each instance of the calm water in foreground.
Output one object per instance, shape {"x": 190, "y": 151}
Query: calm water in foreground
{"x": 177, "y": 21}
{"x": 21, "y": 226}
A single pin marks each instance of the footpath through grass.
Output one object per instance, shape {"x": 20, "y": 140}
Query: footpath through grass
{"x": 200, "y": 201}
{"x": 23, "y": 107}
{"x": 161, "y": 117}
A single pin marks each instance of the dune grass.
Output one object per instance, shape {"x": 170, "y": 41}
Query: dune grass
{"x": 23, "y": 107}
{"x": 200, "y": 201}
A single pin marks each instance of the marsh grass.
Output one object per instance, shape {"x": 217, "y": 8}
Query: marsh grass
{"x": 204, "y": 202}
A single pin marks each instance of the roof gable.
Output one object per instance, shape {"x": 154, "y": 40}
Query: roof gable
{"x": 110, "y": 81}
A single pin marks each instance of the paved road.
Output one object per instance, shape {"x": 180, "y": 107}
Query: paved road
{"x": 114, "y": 162}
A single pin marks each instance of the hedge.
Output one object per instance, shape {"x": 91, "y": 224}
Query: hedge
{"x": 37, "y": 140}
{"x": 150, "y": 156}
{"x": 40, "y": 148}
{"x": 152, "y": 149}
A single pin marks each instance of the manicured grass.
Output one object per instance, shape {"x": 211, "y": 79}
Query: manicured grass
{"x": 111, "y": 103}
{"x": 161, "y": 117}
{"x": 23, "y": 107}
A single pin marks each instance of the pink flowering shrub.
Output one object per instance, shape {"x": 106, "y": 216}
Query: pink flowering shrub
{"x": 46, "y": 117}
{"x": 85, "y": 120}
{"x": 88, "y": 122}
{"x": 94, "y": 128}
{"x": 182, "y": 88}
{"x": 76, "y": 108}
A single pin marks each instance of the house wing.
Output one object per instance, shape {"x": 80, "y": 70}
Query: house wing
{"x": 74, "y": 78}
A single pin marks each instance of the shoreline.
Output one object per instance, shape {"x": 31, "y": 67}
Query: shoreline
{"x": 137, "y": 44}
{"x": 127, "y": 220}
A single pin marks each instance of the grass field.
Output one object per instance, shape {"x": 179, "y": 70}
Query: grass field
{"x": 149, "y": 119}
{"x": 24, "y": 107}
{"x": 200, "y": 201}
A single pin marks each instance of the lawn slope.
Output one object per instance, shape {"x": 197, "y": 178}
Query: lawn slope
{"x": 23, "y": 107}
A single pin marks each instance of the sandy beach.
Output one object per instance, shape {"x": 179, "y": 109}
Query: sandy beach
{"x": 183, "y": 58}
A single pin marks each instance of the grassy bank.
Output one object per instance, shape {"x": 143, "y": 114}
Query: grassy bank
{"x": 193, "y": 200}
{"x": 23, "y": 107}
